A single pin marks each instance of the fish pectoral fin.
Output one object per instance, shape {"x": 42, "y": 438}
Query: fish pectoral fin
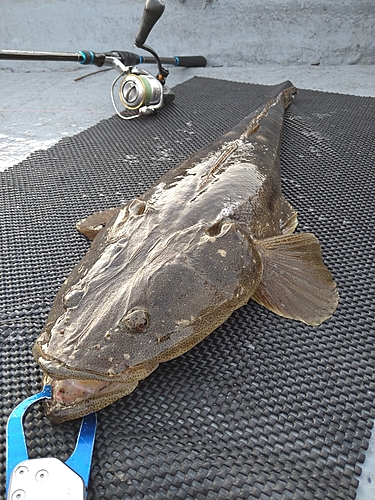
{"x": 295, "y": 282}
{"x": 91, "y": 226}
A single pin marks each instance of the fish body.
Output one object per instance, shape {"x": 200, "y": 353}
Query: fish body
{"x": 168, "y": 268}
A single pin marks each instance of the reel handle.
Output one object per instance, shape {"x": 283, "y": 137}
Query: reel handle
{"x": 151, "y": 13}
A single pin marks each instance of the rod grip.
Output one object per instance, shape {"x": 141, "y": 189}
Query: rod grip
{"x": 151, "y": 13}
{"x": 190, "y": 61}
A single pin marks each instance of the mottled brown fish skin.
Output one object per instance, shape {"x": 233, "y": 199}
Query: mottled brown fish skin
{"x": 168, "y": 268}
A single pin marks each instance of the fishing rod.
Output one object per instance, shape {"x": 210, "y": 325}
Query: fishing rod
{"x": 88, "y": 57}
{"x": 139, "y": 92}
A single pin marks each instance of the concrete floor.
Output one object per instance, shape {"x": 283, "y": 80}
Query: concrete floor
{"x": 38, "y": 108}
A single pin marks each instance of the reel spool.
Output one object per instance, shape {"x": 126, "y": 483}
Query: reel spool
{"x": 137, "y": 91}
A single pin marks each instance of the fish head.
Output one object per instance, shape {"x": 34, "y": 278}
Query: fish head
{"x": 135, "y": 302}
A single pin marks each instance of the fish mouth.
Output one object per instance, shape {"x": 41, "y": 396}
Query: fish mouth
{"x": 73, "y": 398}
{"x": 77, "y": 393}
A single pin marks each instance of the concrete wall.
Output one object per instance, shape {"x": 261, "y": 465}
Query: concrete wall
{"x": 227, "y": 32}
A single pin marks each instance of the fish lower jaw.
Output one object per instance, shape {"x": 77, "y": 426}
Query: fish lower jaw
{"x": 74, "y": 398}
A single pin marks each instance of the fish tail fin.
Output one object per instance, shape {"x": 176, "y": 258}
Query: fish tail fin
{"x": 295, "y": 282}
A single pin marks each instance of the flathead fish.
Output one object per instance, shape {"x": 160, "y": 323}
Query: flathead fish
{"x": 168, "y": 268}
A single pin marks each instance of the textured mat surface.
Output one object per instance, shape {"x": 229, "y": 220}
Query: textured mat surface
{"x": 265, "y": 407}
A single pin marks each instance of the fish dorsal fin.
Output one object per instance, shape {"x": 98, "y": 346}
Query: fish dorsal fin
{"x": 218, "y": 163}
{"x": 296, "y": 283}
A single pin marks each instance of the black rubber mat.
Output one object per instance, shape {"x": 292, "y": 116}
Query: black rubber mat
{"x": 265, "y": 407}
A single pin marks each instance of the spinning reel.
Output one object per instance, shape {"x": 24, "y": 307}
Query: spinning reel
{"x": 139, "y": 92}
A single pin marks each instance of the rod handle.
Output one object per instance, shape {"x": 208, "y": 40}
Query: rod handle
{"x": 190, "y": 61}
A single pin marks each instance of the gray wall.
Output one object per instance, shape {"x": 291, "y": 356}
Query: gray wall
{"x": 227, "y": 32}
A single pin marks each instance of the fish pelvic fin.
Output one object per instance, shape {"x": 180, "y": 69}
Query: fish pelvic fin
{"x": 94, "y": 223}
{"x": 296, "y": 283}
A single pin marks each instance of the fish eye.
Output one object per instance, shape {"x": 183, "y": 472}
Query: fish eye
{"x": 136, "y": 320}
{"x": 73, "y": 298}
